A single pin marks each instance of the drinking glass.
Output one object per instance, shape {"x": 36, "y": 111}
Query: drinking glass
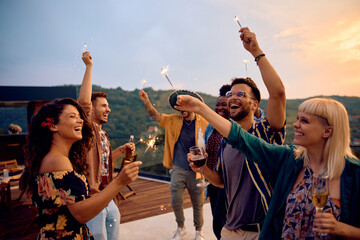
{"x": 320, "y": 192}
{"x": 199, "y": 160}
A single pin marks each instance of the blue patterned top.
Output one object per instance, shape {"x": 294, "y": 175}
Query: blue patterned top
{"x": 299, "y": 211}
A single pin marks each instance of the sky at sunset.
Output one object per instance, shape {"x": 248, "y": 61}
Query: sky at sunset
{"x": 314, "y": 45}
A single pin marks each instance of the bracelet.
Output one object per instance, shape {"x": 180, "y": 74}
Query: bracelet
{"x": 258, "y": 58}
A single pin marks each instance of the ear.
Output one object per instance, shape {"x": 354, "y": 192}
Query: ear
{"x": 255, "y": 105}
{"x": 328, "y": 131}
{"x": 53, "y": 128}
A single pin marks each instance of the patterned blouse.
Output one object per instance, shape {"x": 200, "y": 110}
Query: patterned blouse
{"x": 299, "y": 211}
{"x": 51, "y": 193}
{"x": 213, "y": 148}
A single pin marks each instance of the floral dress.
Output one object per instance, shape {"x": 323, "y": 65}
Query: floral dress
{"x": 299, "y": 211}
{"x": 51, "y": 193}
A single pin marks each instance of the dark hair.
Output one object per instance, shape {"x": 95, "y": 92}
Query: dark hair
{"x": 224, "y": 89}
{"x": 95, "y": 95}
{"x": 39, "y": 139}
{"x": 248, "y": 81}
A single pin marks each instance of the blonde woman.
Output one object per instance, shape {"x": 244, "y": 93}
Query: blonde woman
{"x": 322, "y": 133}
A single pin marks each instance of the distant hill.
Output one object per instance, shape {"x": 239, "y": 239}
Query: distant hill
{"x": 129, "y": 117}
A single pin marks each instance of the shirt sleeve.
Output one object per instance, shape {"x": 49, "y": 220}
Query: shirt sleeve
{"x": 87, "y": 109}
{"x": 269, "y": 156}
{"x": 61, "y": 188}
{"x": 163, "y": 120}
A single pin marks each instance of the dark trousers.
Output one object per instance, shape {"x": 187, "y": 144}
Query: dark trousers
{"x": 218, "y": 208}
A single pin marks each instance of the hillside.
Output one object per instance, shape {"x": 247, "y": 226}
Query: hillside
{"x": 129, "y": 117}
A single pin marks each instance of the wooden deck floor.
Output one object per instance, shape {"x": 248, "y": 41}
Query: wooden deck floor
{"x": 152, "y": 198}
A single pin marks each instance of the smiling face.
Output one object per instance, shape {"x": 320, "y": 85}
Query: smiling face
{"x": 70, "y": 124}
{"x": 101, "y": 110}
{"x": 241, "y": 107}
{"x": 310, "y": 130}
{"x": 221, "y": 107}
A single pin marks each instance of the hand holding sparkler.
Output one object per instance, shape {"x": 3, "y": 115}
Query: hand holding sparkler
{"x": 143, "y": 96}
{"x": 249, "y": 41}
{"x": 128, "y": 147}
{"x": 87, "y": 59}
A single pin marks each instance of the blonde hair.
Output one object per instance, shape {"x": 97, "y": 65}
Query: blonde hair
{"x": 337, "y": 146}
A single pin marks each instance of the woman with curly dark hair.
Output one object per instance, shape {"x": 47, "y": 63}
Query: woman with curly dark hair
{"x": 58, "y": 140}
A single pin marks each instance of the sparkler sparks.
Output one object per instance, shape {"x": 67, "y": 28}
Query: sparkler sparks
{"x": 85, "y": 47}
{"x": 164, "y": 71}
{"x": 246, "y": 70}
{"x": 143, "y": 83}
{"x": 151, "y": 143}
{"x": 140, "y": 140}
{"x": 236, "y": 19}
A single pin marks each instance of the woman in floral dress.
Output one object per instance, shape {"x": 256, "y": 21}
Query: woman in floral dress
{"x": 322, "y": 134}
{"x": 58, "y": 140}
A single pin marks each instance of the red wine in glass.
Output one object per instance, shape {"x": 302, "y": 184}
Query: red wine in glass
{"x": 198, "y": 162}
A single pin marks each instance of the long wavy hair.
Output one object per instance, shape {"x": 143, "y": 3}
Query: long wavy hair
{"x": 337, "y": 146}
{"x": 39, "y": 140}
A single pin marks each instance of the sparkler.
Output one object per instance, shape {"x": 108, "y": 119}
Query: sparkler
{"x": 236, "y": 19}
{"x": 246, "y": 70}
{"x": 85, "y": 47}
{"x": 143, "y": 83}
{"x": 164, "y": 71}
{"x": 140, "y": 140}
{"x": 131, "y": 139}
{"x": 150, "y": 143}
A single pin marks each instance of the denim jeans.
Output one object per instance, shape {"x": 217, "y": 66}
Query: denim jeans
{"x": 181, "y": 179}
{"x": 106, "y": 225}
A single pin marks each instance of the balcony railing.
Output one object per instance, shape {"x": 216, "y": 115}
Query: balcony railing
{"x": 152, "y": 159}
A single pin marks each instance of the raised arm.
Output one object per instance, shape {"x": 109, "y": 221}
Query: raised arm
{"x": 85, "y": 210}
{"x": 276, "y": 106}
{"x": 86, "y": 86}
{"x": 149, "y": 107}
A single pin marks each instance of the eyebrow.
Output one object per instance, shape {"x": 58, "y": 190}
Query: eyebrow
{"x": 76, "y": 113}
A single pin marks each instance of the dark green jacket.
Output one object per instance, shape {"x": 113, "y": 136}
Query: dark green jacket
{"x": 279, "y": 163}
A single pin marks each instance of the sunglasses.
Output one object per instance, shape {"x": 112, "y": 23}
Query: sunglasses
{"x": 239, "y": 94}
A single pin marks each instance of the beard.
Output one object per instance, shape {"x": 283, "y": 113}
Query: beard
{"x": 97, "y": 116}
{"x": 184, "y": 114}
{"x": 240, "y": 115}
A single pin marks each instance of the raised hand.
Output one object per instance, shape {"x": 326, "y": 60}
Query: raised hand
{"x": 143, "y": 96}
{"x": 87, "y": 59}
{"x": 130, "y": 146}
{"x": 128, "y": 173}
{"x": 188, "y": 103}
{"x": 250, "y": 42}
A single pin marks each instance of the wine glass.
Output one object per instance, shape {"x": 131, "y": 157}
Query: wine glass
{"x": 199, "y": 160}
{"x": 320, "y": 192}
